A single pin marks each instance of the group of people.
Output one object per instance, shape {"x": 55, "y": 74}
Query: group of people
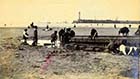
{"x": 65, "y": 35}
{"x": 123, "y": 31}
{"x": 122, "y": 46}
{"x": 117, "y": 46}
{"x": 35, "y": 37}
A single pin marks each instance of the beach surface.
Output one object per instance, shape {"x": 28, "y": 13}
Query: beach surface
{"x": 19, "y": 61}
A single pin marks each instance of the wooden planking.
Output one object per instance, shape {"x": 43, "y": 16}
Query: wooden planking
{"x": 104, "y": 40}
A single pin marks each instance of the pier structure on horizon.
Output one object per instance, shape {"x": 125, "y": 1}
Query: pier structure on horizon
{"x": 104, "y": 21}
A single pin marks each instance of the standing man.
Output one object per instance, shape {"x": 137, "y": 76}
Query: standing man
{"x": 35, "y": 38}
{"x": 66, "y": 36}
{"x": 61, "y": 32}
{"x": 54, "y": 38}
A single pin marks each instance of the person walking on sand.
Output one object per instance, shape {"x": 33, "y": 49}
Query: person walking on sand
{"x": 25, "y": 36}
{"x": 53, "y": 38}
{"x": 35, "y": 38}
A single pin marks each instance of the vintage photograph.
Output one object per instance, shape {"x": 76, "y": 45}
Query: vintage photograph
{"x": 69, "y": 39}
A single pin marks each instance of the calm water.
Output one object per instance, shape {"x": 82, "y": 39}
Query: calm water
{"x": 81, "y": 29}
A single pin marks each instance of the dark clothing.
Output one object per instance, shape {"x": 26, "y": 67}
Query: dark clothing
{"x": 72, "y": 33}
{"x": 61, "y": 32}
{"x": 36, "y": 34}
{"x": 66, "y": 37}
{"x": 124, "y": 31}
{"x": 35, "y": 38}
{"x": 32, "y": 25}
{"x": 114, "y": 45}
{"x": 53, "y": 37}
{"x": 93, "y": 33}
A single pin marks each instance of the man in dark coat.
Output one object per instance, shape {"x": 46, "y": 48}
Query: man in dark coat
{"x": 54, "y": 38}
{"x": 66, "y": 36}
{"x": 35, "y": 38}
{"x": 61, "y": 32}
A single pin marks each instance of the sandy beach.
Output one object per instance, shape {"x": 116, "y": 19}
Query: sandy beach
{"x": 100, "y": 39}
{"x": 19, "y": 61}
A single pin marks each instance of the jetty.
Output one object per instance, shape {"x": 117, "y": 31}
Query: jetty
{"x": 107, "y": 21}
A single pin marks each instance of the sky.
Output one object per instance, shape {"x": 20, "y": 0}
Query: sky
{"x": 25, "y": 11}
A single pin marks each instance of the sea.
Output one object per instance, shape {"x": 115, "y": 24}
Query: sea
{"x": 80, "y": 29}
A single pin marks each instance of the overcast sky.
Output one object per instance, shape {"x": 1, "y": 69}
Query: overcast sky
{"x": 23, "y": 11}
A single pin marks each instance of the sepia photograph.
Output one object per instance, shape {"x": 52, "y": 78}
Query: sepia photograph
{"x": 69, "y": 39}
